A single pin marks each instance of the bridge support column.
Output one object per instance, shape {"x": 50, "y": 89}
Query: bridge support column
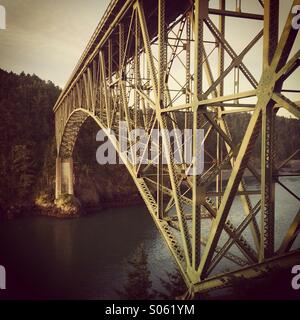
{"x": 64, "y": 177}
{"x": 69, "y": 175}
{"x": 58, "y": 178}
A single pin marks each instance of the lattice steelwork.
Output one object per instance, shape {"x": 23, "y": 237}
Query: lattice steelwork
{"x": 167, "y": 64}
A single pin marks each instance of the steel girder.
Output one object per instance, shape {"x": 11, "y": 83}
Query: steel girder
{"x": 168, "y": 70}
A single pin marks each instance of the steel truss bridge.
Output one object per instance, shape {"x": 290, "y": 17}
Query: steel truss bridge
{"x": 173, "y": 64}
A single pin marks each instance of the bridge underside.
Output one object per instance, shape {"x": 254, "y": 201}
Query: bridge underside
{"x": 175, "y": 65}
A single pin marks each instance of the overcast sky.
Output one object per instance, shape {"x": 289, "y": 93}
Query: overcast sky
{"x": 47, "y": 37}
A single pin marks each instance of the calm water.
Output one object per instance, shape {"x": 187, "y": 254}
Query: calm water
{"x": 85, "y": 257}
{"x": 79, "y": 258}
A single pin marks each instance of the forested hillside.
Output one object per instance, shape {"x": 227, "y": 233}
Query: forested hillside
{"x": 27, "y": 148}
{"x": 26, "y": 134}
{"x": 28, "y": 151}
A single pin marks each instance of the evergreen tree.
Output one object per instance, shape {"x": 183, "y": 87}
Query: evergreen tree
{"x": 174, "y": 286}
{"x": 23, "y": 169}
{"x": 138, "y": 285}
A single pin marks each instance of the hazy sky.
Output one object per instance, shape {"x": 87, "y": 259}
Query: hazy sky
{"x": 47, "y": 37}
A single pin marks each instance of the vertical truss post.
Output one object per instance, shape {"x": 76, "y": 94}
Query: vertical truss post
{"x": 162, "y": 58}
{"x": 87, "y": 100}
{"x": 101, "y": 94}
{"x": 236, "y": 82}
{"x": 201, "y": 12}
{"x": 136, "y": 72}
{"x": 220, "y": 93}
{"x": 121, "y": 58}
{"x": 109, "y": 90}
{"x": 271, "y": 20}
{"x": 267, "y": 183}
{"x": 221, "y": 47}
{"x": 110, "y": 60}
{"x": 148, "y": 109}
{"x": 105, "y": 89}
{"x": 188, "y": 68}
{"x": 94, "y": 86}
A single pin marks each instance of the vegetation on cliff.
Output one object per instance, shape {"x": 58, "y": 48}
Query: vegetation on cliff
{"x": 26, "y": 132}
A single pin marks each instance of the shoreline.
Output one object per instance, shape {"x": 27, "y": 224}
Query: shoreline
{"x": 51, "y": 210}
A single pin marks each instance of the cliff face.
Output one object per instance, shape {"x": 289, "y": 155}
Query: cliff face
{"x": 99, "y": 185}
{"x": 105, "y": 186}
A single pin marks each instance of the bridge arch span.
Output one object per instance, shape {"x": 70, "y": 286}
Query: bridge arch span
{"x": 71, "y": 131}
{"x": 66, "y": 144}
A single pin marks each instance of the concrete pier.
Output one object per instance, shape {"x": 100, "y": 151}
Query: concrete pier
{"x": 64, "y": 183}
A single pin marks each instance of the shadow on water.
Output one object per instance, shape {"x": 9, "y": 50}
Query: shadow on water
{"x": 80, "y": 258}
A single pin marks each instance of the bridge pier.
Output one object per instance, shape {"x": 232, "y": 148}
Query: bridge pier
{"x": 64, "y": 183}
{"x": 58, "y": 178}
